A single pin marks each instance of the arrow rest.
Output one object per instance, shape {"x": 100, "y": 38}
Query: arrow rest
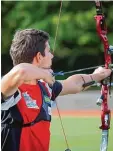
{"x": 100, "y": 100}
{"x": 110, "y": 51}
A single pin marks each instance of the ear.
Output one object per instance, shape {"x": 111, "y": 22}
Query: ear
{"x": 38, "y": 58}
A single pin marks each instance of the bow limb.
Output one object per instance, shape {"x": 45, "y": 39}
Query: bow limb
{"x": 103, "y": 100}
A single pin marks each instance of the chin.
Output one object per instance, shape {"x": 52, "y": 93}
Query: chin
{"x": 47, "y": 67}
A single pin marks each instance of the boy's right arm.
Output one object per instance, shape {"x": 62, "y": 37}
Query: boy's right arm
{"x": 21, "y": 73}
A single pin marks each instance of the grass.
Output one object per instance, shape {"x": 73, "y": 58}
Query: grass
{"x": 83, "y": 134}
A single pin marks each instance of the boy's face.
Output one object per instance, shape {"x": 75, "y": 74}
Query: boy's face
{"x": 46, "y": 61}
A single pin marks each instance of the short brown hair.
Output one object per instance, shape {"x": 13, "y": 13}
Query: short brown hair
{"x": 26, "y": 44}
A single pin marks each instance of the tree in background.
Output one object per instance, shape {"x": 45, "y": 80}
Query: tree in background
{"x": 77, "y": 43}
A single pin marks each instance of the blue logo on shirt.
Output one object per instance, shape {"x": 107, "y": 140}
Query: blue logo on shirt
{"x": 29, "y": 101}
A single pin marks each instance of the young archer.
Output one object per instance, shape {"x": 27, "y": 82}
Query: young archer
{"x": 28, "y": 89}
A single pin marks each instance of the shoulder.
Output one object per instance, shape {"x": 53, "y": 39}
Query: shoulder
{"x": 53, "y": 91}
{"x": 10, "y": 101}
{"x": 56, "y": 89}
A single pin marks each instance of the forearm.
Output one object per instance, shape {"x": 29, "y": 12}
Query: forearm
{"x": 18, "y": 75}
{"x": 74, "y": 84}
{"x": 32, "y": 72}
{"x": 79, "y": 80}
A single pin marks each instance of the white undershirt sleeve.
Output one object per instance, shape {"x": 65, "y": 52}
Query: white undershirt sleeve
{"x": 11, "y": 101}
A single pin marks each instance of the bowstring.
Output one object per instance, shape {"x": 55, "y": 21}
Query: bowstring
{"x": 56, "y": 35}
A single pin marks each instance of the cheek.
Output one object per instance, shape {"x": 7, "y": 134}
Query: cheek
{"x": 47, "y": 56}
{"x": 45, "y": 60}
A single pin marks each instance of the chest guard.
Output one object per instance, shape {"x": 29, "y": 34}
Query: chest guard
{"x": 45, "y": 111}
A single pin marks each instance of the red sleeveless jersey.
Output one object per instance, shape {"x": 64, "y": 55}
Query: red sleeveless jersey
{"x": 36, "y": 137}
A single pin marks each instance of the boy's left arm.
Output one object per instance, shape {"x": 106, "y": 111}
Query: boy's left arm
{"x": 74, "y": 84}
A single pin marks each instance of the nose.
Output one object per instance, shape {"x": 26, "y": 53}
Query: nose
{"x": 52, "y": 55}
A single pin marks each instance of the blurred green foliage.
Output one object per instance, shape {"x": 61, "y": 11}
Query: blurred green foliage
{"x": 77, "y": 41}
